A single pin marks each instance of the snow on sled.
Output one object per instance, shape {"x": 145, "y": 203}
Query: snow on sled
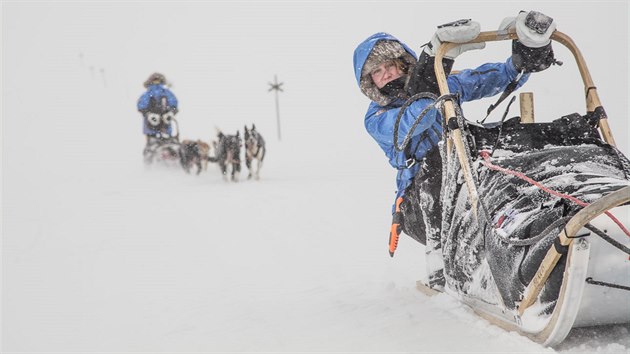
{"x": 532, "y": 228}
{"x": 164, "y": 149}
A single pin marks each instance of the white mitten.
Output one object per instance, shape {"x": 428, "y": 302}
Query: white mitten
{"x": 534, "y": 29}
{"x": 507, "y": 23}
{"x": 422, "y": 76}
{"x": 168, "y": 117}
{"x": 153, "y": 119}
{"x": 532, "y": 51}
{"x": 460, "y": 31}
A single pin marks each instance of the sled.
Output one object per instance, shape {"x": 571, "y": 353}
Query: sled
{"x": 164, "y": 149}
{"x": 535, "y": 216}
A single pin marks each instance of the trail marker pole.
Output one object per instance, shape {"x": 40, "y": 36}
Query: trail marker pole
{"x": 276, "y": 87}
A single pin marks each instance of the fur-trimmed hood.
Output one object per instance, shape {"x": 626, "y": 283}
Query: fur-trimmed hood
{"x": 155, "y": 79}
{"x": 375, "y": 50}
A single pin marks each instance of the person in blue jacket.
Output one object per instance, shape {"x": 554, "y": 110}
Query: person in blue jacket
{"x": 158, "y": 106}
{"x": 388, "y": 73}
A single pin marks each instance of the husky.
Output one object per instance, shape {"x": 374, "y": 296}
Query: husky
{"x": 254, "y": 149}
{"x": 228, "y": 153}
{"x": 194, "y": 153}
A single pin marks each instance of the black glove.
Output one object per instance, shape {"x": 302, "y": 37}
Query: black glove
{"x": 422, "y": 76}
{"x": 532, "y": 60}
{"x": 532, "y": 51}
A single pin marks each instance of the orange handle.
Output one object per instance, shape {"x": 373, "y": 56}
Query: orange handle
{"x": 394, "y": 233}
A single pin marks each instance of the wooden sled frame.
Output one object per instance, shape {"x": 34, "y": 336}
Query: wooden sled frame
{"x": 172, "y": 141}
{"x": 592, "y": 98}
{"x": 562, "y": 318}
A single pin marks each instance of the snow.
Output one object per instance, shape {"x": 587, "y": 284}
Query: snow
{"x": 102, "y": 255}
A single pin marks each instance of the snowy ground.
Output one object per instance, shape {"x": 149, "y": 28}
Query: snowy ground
{"x": 150, "y": 261}
{"x": 100, "y": 254}
{"x": 96, "y": 261}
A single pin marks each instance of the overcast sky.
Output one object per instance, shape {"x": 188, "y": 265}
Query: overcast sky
{"x": 220, "y": 56}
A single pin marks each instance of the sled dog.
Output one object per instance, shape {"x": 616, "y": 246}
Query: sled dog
{"x": 194, "y": 153}
{"x": 254, "y": 150}
{"x": 228, "y": 154}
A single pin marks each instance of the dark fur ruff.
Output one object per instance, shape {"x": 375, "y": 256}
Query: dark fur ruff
{"x": 383, "y": 51}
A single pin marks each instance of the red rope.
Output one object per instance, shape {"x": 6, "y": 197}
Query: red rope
{"x": 486, "y": 156}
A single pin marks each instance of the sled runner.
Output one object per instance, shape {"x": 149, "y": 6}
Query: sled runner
{"x": 534, "y": 216}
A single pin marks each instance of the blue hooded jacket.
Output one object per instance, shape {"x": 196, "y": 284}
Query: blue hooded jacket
{"x": 155, "y": 91}
{"x": 484, "y": 81}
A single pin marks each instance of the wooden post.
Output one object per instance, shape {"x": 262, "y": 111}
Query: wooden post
{"x": 527, "y": 107}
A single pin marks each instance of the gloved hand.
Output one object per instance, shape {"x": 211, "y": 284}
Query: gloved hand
{"x": 153, "y": 118}
{"x": 532, "y": 51}
{"x": 460, "y": 31}
{"x": 422, "y": 76}
{"x": 168, "y": 117}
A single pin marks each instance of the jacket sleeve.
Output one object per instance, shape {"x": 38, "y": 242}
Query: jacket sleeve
{"x": 472, "y": 84}
{"x": 143, "y": 102}
{"x": 484, "y": 81}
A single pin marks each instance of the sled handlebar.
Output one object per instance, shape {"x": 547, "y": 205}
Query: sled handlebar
{"x": 592, "y": 99}
{"x": 176, "y": 128}
{"x": 590, "y": 91}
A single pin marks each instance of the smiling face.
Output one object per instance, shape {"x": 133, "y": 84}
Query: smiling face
{"x": 385, "y": 73}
